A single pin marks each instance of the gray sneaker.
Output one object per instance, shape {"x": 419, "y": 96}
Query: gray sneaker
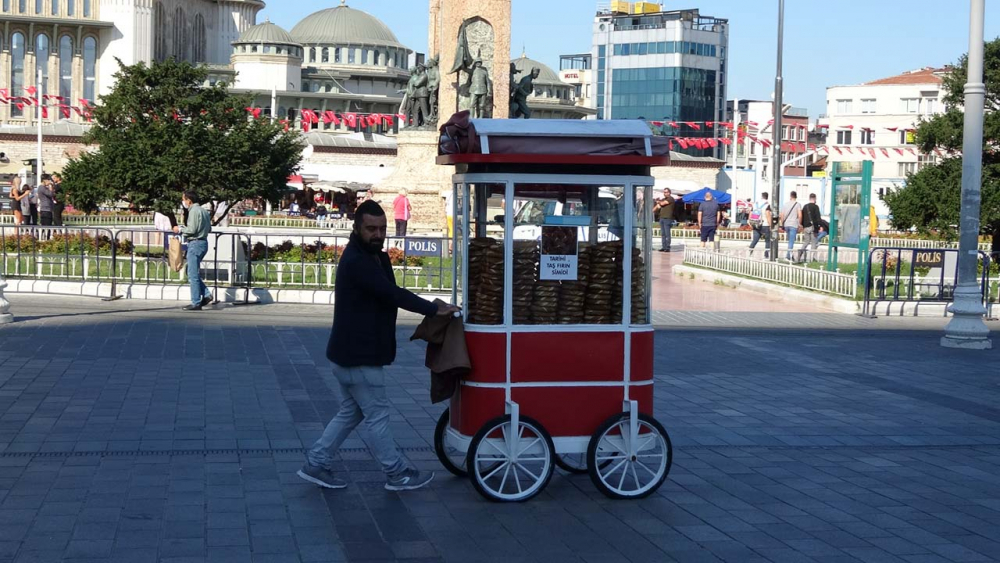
{"x": 320, "y": 476}
{"x": 409, "y": 480}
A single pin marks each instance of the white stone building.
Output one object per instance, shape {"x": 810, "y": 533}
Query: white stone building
{"x": 880, "y": 116}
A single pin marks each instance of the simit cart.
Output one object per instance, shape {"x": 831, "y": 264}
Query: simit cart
{"x": 552, "y": 243}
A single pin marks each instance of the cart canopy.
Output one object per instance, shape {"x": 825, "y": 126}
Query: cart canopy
{"x": 699, "y": 196}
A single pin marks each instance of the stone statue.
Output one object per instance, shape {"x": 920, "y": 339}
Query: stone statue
{"x": 480, "y": 88}
{"x": 406, "y": 108}
{"x": 421, "y": 95}
{"x": 434, "y": 85}
{"x": 519, "y": 101}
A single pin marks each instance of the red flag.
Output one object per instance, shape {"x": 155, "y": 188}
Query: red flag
{"x": 913, "y": 152}
{"x": 285, "y": 123}
{"x": 848, "y": 149}
{"x": 657, "y": 123}
{"x": 4, "y": 101}
{"x": 45, "y": 112}
{"x": 4, "y": 93}
{"x": 84, "y": 102}
{"x": 89, "y": 116}
{"x": 838, "y": 150}
{"x": 709, "y": 124}
{"x": 31, "y": 90}
{"x": 812, "y": 147}
{"x": 671, "y": 144}
{"x": 885, "y": 152}
{"x": 752, "y": 123}
{"x": 713, "y": 143}
{"x": 893, "y": 129}
{"x": 900, "y": 151}
{"x": 848, "y": 127}
{"x": 726, "y": 141}
{"x": 823, "y": 126}
{"x": 20, "y": 106}
{"x": 770, "y": 122}
{"x": 938, "y": 152}
{"x": 255, "y": 112}
{"x": 402, "y": 117}
{"x": 693, "y": 125}
{"x": 801, "y": 147}
{"x": 786, "y": 146}
{"x": 683, "y": 143}
{"x": 77, "y": 110}
{"x": 390, "y": 120}
{"x": 727, "y": 125}
{"x": 872, "y": 152}
{"x": 351, "y": 119}
{"x": 674, "y": 125}
{"x": 373, "y": 120}
{"x": 65, "y": 110}
{"x": 824, "y": 149}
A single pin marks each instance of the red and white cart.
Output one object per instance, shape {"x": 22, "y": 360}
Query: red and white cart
{"x": 552, "y": 246}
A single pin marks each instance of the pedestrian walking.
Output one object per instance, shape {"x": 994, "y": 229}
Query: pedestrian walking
{"x": 58, "y": 204}
{"x": 709, "y": 216}
{"x": 760, "y": 220}
{"x": 791, "y": 219}
{"x": 402, "y": 211}
{"x": 46, "y": 200}
{"x": 17, "y": 194}
{"x": 811, "y": 225}
{"x": 664, "y": 211}
{"x": 33, "y": 204}
{"x": 197, "y": 226}
{"x": 362, "y": 343}
{"x": 27, "y": 208}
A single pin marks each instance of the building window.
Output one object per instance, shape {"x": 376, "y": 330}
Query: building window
{"x": 86, "y": 8}
{"x": 42, "y": 62}
{"x": 925, "y": 160}
{"x": 868, "y": 106}
{"x": 55, "y": 7}
{"x": 930, "y": 106}
{"x": 90, "y": 69}
{"x": 6, "y": 5}
{"x": 22, "y": 6}
{"x": 160, "y": 32}
{"x": 312, "y": 54}
{"x": 66, "y": 67}
{"x": 375, "y": 54}
{"x": 350, "y": 55}
{"x": 325, "y": 54}
{"x": 336, "y": 54}
{"x": 907, "y": 137}
{"x": 180, "y": 36}
{"x": 16, "y": 70}
{"x": 70, "y": 7}
{"x": 910, "y": 105}
{"x": 906, "y": 168}
{"x": 38, "y": 6}
{"x": 867, "y": 136}
{"x": 844, "y": 107}
{"x": 200, "y": 39}
{"x": 844, "y": 137}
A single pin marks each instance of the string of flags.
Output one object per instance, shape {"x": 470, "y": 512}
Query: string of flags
{"x": 705, "y": 125}
{"x": 46, "y": 101}
{"x": 793, "y": 147}
{"x": 311, "y": 118}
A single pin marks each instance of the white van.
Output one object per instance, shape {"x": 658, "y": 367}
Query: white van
{"x": 610, "y": 216}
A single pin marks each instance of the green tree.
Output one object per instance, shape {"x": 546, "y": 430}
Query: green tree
{"x": 931, "y": 198}
{"x": 161, "y": 132}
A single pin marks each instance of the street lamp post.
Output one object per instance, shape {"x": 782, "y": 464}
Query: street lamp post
{"x": 967, "y": 329}
{"x": 776, "y": 158}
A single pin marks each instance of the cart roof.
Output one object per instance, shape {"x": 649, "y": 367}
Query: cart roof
{"x": 560, "y": 142}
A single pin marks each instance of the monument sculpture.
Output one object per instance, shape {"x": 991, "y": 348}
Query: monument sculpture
{"x": 519, "y": 101}
{"x": 406, "y": 108}
{"x": 480, "y": 90}
{"x": 421, "y": 96}
{"x": 473, "y": 82}
{"x": 434, "y": 86}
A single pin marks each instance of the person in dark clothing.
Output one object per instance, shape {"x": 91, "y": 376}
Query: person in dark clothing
{"x": 362, "y": 343}
{"x": 58, "y": 206}
{"x": 46, "y": 200}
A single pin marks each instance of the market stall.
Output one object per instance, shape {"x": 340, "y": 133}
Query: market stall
{"x": 555, "y": 295}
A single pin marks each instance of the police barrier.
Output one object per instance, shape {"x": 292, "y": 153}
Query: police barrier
{"x": 917, "y": 275}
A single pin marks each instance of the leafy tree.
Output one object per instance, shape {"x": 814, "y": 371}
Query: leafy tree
{"x": 931, "y": 198}
{"x": 161, "y": 132}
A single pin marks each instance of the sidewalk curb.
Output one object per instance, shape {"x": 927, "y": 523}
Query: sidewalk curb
{"x": 776, "y": 292}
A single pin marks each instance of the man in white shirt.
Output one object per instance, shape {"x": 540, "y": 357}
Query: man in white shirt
{"x": 791, "y": 219}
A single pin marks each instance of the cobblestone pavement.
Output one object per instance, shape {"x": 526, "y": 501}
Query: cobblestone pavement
{"x": 151, "y": 435}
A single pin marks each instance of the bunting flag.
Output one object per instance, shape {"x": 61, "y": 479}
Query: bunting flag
{"x": 4, "y": 94}
{"x": 45, "y": 112}
{"x": 893, "y": 129}
{"x": 675, "y": 126}
{"x": 838, "y": 150}
{"x": 693, "y": 125}
{"x": 31, "y": 90}
{"x": 848, "y": 149}
{"x": 911, "y": 151}
{"x": 886, "y": 153}
{"x": 872, "y": 152}
{"x": 682, "y": 143}
{"x": 900, "y": 151}
{"x": 402, "y": 117}
{"x": 65, "y": 111}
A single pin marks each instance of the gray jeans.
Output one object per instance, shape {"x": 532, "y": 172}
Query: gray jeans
{"x": 362, "y": 392}
{"x": 808, "y": 239}
{"x": 665, "y": 238}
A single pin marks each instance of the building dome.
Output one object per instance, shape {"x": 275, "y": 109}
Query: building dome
{"x": 266, "y": 32}
{"x": 546, "y": 75}
{"x": 344, "y": 26}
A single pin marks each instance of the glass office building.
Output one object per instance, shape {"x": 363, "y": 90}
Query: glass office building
{"x": 661, "y": 66}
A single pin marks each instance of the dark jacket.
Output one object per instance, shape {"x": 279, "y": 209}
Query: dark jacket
{"x": 447, "y": 354}
{"x": 366, "y": 300}
{"x": 811, "y": 215}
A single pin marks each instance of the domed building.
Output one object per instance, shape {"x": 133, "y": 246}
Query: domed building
{"x": 553, "y": 98}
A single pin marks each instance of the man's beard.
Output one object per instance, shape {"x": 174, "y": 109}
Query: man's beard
{"x": 375, "y": 245}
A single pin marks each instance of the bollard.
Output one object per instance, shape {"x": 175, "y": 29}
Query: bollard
{"x": 5, "y": 316}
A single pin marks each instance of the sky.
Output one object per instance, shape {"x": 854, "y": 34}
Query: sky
{"x": 826, "y": 43}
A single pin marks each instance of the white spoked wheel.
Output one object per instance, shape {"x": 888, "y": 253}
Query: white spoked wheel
{"x": 510, "y": 464}
{"x": 627, "y": 463}
{"x": 451, "y": 458}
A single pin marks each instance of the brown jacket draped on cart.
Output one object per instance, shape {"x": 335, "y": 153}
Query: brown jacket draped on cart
{"x": 447, "y": 354}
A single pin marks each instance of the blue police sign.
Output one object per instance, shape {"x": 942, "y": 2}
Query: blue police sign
{"x": 423, "y": 247}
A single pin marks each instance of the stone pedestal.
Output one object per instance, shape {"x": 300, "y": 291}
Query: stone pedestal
{"x": 425, "y": 182}
{"x": 5, "y": 316}
{"x": 489, "y": 37}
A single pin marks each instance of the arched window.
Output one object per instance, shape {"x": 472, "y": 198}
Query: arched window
{"x": 199, "y": 39}
{"x": 55, "y": 7}
{"x": 326, "y": 55}
{"x": 16, "y": 70}
{"x": 90, "y": 69}
{"x": 180, "y": 35}
{"x": 159, "y": 32}
{"x": 42, "y": 62}
{"x": 375, "y": 62}
{"x": 312, "y": 54}
{"x": 66, "y": 67}
{"x": 86, "y": 8}
{"x": 336, "y": 54}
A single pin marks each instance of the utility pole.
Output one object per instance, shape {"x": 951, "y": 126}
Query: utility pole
{"x": 779, "y": 90}
{"x": 967, "y": 328}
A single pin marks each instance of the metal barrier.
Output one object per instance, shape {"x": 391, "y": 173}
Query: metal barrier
{"x": 834, "y": 283}
{"x": 235, "y": 260}
{"x": 917, "y": 275}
